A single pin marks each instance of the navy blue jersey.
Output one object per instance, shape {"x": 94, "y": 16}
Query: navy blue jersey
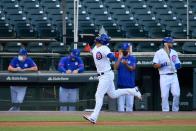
{"x": 67, "y": 63}
{"x": 28, "y": 63}
{"x": 126, "y": 78}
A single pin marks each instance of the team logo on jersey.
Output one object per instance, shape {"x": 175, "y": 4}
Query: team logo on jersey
{"x": 98, "y": 56}
{"x": 25, "y": 65}
{"x": 174, "y": 58}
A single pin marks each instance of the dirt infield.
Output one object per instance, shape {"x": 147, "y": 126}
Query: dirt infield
{"x": 169, "y": 122}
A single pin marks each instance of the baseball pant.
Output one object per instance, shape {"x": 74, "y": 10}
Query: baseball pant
{"x": 125, "y": 103}
{"x": 17, "y": 96}
{"x": 68, "y": 95}
{"x": 106, "y": 85}
{"x": 167, "y": 83}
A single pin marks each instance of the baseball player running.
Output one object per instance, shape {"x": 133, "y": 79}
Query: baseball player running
{"x": 22, "y": 63}
{"x": 125, "y": 65}
{"x": 102, "y": 55}
{"x": 167, "y": 62}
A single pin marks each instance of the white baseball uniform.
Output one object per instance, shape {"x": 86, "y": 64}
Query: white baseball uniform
{"x": 168, "y": 78}
{"x": 106, "y": 77}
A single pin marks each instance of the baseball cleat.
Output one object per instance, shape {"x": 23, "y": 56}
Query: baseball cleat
{"x": 89, "y": 119}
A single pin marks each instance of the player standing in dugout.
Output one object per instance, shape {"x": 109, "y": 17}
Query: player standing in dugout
{"x": 167, "y": 62}
{"x": 126, "y": 65}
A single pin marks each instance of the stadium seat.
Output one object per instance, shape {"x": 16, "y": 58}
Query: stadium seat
{"x": 13, "y": 46}
{"x": 58, "y": 47}
{"x": 147, "y": 47}
{"x": 36, "y": 47}
{"x": 178, "y": 34}
{"x": 1, "y": 47}
{"x": 6, "y": 33}
{"x": 194, "y": 33}
{"x": 177, "y": 46}
{"x": 119, "y": 12}
{"x": 189, "y": 47}
{"x": 157, "y": 34}
{"x": 47, "y": 33}
{"x": 26, "y": 33}
{"x": 136, "y": 33}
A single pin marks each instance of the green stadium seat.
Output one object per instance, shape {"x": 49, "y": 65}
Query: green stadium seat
{"x": 1, "y": 47}
{"x": 178, "y": 34}
{"x": 189, "y": 47}
{"x": 6, "y": 33}
{"x": 194, "y": 33}
{"x": 13, "y": 46}
{"x": 36, "y": 47}
{"x": 26, "y": 33}
{"x": 147, "y": 47}
{"x": 157, "y": 34}
{"x": 47, "y": 33}
{"x": 58, "y": 47}
{"x": 177, "y": 46}
{"x": 118, "y": 10}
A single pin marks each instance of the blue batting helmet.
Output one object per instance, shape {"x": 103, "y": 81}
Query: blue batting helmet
{"x": 76, "y": 52}
{"x": 104, "y": 39}
{"x": 168, "y": 40}
{"x": 22, "y": 51}
{"x": 125, "y": 46}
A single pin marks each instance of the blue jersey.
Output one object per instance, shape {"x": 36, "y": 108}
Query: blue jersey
{"x": 66, "y": 63}
{"x": 126, "y": 78}
{"x": 28, "y": 63}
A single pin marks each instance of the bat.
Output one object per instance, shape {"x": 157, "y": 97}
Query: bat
{"x": 170, "y": 61}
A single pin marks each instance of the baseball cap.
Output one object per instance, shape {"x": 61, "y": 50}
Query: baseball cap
{"x": 104, "y": 39}
{"x": 76, "y": 52}
{"x": 168, "y": 40}
{"x": 22, "y": 52}
{"x": 125, "y": 46}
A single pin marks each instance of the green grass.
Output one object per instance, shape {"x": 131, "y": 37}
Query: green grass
{"x": 101, "y": 118}
{"x": 103, "y": 128}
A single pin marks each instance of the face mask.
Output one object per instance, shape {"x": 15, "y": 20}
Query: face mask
{"x": 20, "y": 58}
{"x": 73, "y": 58}
{"x": 125, "y": 53}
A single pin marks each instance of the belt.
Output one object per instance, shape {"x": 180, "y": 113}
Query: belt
{"x": 169, "y": 73}
{"x": 102, "y": 73}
